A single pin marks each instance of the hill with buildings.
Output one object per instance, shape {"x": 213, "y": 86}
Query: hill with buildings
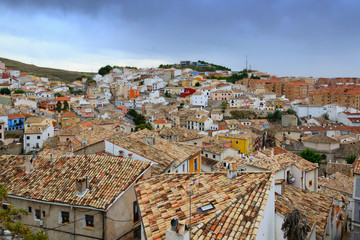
{"x": 52, "y": 73}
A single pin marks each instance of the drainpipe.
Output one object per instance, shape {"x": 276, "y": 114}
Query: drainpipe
{"x": 74, "y": 223}
{"x": 103, "y": 232}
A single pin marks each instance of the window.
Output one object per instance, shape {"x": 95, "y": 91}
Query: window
{"x": 28, "y": 144}
{"x": 214, "y": 156}
{"x": 29, "y": 209}
{"x": 206, "y": 155}
{"x": 28, "y": 137}
{"x": 67, "y": 139}
{"x": 183, "y": 167}
{"x": 38, "y": 137}
{"x": 65, "y": 216}
{"x": 196, "y": 164}
{"x": 89, "y": 221}
{"x": 206, "y": 207}
{"x": 5, "y": 206}
{"x": 37, "y": 214}
{"x": 43, "y": 214}
{"x": 136, "y": 211}
{"x": 237, "y": 142}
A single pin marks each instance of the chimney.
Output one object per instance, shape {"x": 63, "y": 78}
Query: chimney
{"x": 178, "y": 230}
{"x": 51, "y": 160}
{"x": 145, "y": 139}
{"x": 130, "y": 154}
{"x": 29, "y": 167}
{"x": 81, "y": 186}
{"x": 121, "y": 153}
{"x": 272, "y": 152}
{"x": 232, "y": 171}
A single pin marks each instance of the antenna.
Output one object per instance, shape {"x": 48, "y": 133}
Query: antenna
{"x": 192, "y": 189}
{"x": 246, "y": 63}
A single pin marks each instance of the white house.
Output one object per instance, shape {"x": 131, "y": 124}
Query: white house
{"x": 26, "y": 102}
{"x": 199, "y": 99}
{"x": 156, "y": 83}
{"x": 36, "y": 135}
{"x": 199, "y": 123}
{"x": 309, "y": 111}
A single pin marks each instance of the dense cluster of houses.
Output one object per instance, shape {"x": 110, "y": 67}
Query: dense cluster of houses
{"x": 74, "y": 157}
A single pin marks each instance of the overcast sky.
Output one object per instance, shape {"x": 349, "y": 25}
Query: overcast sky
{"x": 282, "y": 37}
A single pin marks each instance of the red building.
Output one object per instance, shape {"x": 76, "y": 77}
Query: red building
{"x": 187, "y": 92}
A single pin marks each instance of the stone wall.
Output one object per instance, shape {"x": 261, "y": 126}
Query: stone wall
{"x": 11, "y": 149}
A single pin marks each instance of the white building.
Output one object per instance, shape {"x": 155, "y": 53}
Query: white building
{"x": 309, "y": 111}
{"x": 36, "y": 135}
{"x": 199, "y": 99}
{"x": 199, "y": 123}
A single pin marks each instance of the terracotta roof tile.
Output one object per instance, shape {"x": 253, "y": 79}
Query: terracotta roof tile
{"x": 108, "y": 178}
{"x": 238, "y": 204}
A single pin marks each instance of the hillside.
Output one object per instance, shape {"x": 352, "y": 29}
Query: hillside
{"x": 207, "y": 67}
{"x": 52, "y": 73}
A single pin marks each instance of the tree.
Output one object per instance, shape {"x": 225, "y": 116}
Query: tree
{"x": 295, "y": 226}
{"x": 325, "y": 116}
{"x": 18, "y": 91}
{"x": 197, "y": 84}
{"x": 58, "y": 94}
{"x": 311, "y": 155}
{"x": 5, "y": 91}
{"x": 66, "y": 105}
{"x": 105, "y": 70}
{"x": 167, "y": 94}
{"x": 224, "y": 106}
{"x": 90, "y": 80}
{"x": 58, "y": 106}
{"x": 143, "y": 126}
{"x": 351, "y": 159}
{"x": 9, "y": 220}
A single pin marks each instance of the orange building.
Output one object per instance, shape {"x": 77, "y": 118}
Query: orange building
{"x": 133, "y": 93}
{"x": 343, "y": 95}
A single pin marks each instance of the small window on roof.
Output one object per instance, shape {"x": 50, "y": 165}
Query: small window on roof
{"x": 206, "y": 207}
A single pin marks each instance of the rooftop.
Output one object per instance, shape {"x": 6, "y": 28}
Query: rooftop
{"x": 108, "y": 177}
{"x": 315, "y": 206}
{"x": 319, "y": 138}
{"x": 338, "y": 182}
{"x": 240, "y": 200}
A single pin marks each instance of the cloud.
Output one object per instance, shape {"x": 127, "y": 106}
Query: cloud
{"x": 279, "y": 36}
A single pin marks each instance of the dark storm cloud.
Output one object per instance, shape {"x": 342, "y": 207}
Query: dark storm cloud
{"x": 281, "y": 36}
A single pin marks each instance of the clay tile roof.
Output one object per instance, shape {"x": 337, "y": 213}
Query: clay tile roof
{"x": 238, "y": 204}
{"x": 183, "y": 134}
{"x": 68, "y": 114}
{"x": 319, "y": 138}
{"x": 108, "y": 177}
{"x": 13, "y": 116}
{"x": 338, "y": 182}
{"x": 62, "y": 99}
{"x": 314, "y": 206}
{"x": 280, "y": 161}
{"x": 161, "y": 121}
{"x": 35, "y": 119}
{"x": 356, "y": 165}
{"x": 35, "y": 129}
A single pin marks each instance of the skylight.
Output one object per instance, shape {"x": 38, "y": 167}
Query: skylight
{"x": 207, "y": 207}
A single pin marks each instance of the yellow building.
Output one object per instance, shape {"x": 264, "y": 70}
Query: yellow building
{"x": 30, "y": 121}
{"x": 279, "y": 104}
{"x": 195, "y": 163}
{"x": 68, "y": 119}
{"x": 241, "y": 142}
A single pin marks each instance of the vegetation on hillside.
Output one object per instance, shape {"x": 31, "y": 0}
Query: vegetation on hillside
{"x": 51, "y": 73}
{"x": 277, "y": 114}
{"x": 209, "y": 68}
